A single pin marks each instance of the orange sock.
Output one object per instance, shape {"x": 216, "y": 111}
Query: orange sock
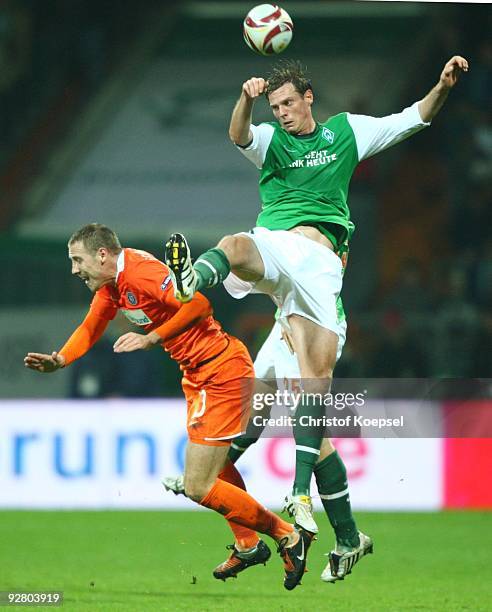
{"x": 231, "y": 474}
{"x": 245, "y": 537}
{"x": 238, "y": 506}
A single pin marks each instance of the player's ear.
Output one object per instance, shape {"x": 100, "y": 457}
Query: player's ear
{"x": 102, "y": 254}
{"x": 308, "y": 96}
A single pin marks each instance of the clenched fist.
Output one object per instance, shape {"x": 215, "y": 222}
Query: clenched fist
{"x": 254, "y": 87}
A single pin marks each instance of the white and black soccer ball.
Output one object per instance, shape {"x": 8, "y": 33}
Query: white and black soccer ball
{"x": 267, "y": 29}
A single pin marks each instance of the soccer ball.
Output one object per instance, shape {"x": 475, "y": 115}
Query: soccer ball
{"x": 267, "y": 29}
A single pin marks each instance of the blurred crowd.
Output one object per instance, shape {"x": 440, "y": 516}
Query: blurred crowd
{"x": 431, "y": 315}
{"x": 47, "y": 48}
{"x": 53, "y": 56}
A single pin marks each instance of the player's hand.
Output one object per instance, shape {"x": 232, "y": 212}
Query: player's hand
{"x": 132, "y": 342}
{"x": 254, "y": 87}
{"x": 44, "y": 363}
{"x": 452, "y": 70}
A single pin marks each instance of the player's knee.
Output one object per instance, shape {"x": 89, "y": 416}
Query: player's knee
{"x": 196, "y": 489}
{"x": 194, "y": 492}
{"x": 236, "y": 249}
{"x": 227, "y": 244}
{"x": 319, "y": 374}
{"x": 326, "y": 374}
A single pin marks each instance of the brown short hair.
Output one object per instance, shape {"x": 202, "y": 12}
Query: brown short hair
{"x": 94, "y": 236}
{"x": 288, "y": 71}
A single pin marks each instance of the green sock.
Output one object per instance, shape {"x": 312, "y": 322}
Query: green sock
{"x": 308, "y": 442}
{"x": 211, "y": 268}
{"x": 238, "y": 447}
{"x": 331, "y": 478}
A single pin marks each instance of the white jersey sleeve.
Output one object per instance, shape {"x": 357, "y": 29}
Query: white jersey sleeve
{"x": 257, "y": 150}
{"x": 375, "y": 134}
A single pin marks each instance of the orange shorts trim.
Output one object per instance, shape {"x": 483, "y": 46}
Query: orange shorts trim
{"x": 218, "y": 396}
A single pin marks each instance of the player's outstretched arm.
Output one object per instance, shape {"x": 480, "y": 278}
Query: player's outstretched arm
{"x": 82, "y": 339}
{"x": 433, "y": 101}
{"x": 44, "y": 363}
{"x": 239, "y": 128}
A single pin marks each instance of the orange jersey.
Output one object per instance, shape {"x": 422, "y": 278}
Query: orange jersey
{"x": 143, "y": 293}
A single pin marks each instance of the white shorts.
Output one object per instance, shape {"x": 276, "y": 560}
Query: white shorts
{"x": 274, "y": 359}
{"x": 301, "y": 276}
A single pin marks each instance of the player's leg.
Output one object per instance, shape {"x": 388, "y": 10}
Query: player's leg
{"x": 268, "y": 358}
{"x": 203, "y": 464}
{"x": 219, "y": 404}
{"x": 351, "y": 544}
{"x": 331, "y": 480}
{"x": 254, "y": 431}
{"x": 245, "y": 539}
{"x": 248, "y": 550}
{"x": 236, "y": 450}
{"x": 211, "y": 268}
{"x": 240, "y": 446}
{"x": 264, "y": 367}
{"x": 316, "y": 350}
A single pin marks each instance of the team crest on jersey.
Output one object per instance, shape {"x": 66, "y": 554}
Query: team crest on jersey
{"x": 131, "y": 298}
{"x": 328, "y": 135}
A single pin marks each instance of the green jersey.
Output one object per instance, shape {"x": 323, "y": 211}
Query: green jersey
{"x": 304, "y": 180}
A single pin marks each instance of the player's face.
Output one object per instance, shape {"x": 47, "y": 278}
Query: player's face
{"x": 292, "y": 109}
{"x": 94, "y": 269}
